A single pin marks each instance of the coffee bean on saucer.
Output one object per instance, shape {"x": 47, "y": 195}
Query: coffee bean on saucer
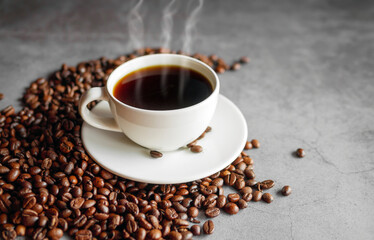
{"x": 267, "y": 197}
{"x": 300, "y": 152}
{"x": 196, "y": 149}
{"x": 191, "y": 144}
{"x": 286, "y": 190}
{"x": 255, "y": 143}
{"x": 155, "y": 154}
{"x": 208, "y": 129}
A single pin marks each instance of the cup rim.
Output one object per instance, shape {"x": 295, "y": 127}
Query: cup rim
{"x": 214, "y": 92}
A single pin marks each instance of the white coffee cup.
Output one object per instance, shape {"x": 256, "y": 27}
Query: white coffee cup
{"x": 162, "y": 130}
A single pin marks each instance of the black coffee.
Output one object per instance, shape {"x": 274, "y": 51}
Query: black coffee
{"x": 162, "y": 88}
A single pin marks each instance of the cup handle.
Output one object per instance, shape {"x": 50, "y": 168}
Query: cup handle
{"x": 95, "y": 120}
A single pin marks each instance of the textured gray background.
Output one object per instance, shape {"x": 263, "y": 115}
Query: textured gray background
{"x": 310, "y": 84}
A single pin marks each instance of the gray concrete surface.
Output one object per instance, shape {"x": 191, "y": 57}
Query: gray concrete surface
{"x": 310, "y": 84}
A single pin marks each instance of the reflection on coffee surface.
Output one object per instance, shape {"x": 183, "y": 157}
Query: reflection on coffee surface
{"x": 163, "y": 87}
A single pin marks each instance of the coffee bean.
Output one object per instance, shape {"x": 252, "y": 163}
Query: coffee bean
{"x": 77, "y": 203}
{"x": 257, "y": 195}
{"x": 249, "y": 173}
{"x": 154, "y": 234}
{"x": 83, "y": 235}
{"x": 55, "y": 233}
{"x": 242, "y": 203}
{"x": 231, "y": 208}
{"x": 267, "y": 197}
{"x": 230, "y": 179}
{"x": 8, "y": 233}
{"x": 193, "y": 212}
{"x": 208, "y": 227}
{"x": 221, "y": 201}
{"x": 196, "y": 149}
{"x": 244, "y": 59}
{"x": 186, "y": 235}
{"x": 255, "y": 143}
{"x": 174, "y": 235}
{"x": 233, "y": 197}
{"x": 286, "y": 190}
{"x": 195, "y": 229}
{"x": 267, "y": 184}
{"x": 155, "y": 154}
{"x": 141, "y": 234}
{"x": 300, "y": 152}
{"x": 212, "y": 212}
{"x": 248, "y": 145}
{"x": 235, "y": 66}
{"x": 13, "y": 174}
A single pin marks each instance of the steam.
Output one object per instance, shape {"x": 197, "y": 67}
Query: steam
{"x": 190, "y": 26}
{"x": 136, "y": 26}
{"x": 167, "y": 23}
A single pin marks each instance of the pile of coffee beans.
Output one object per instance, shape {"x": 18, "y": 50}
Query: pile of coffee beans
{"x": 49, "y": 185}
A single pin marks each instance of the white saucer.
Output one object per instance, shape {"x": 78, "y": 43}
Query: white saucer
{"x": 119, "y": 155}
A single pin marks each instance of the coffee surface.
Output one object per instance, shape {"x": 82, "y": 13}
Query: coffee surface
{"x": 162, "y": 88}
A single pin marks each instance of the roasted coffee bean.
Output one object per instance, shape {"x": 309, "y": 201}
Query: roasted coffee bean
{"x": 244, "y": 59}
{"x": 8, "y": 233}
{"x": 186, "y": 235}
{"x": 247, "y": 197}
{"x": 235, "y": 66}
{"x": 256, "y": 196}
{"x": 255, "y": 143}
{"x": 196, "y": 149}
{"x": 267, "y": 184}
{"x": 251, "y": 182}
{"x": 267, "y": 197}
{"x": 221, "y": 201}
{"x": 300, "y": 152}
{"x": 230, "y": 179}
{"x": 286, "y": 190}
{"x": 83, "y": 235}
{"x": 242, "y": 204}
{"x": 174, "y": 235}
{"x": 55, "y": 233}
{"x": 20, "y": 230}
{"x": 195, "y": 229}
{"x": 208, "y": 227}
{"x": 154, "y": 234}
{"x": 233, "y": 197}
{"x": 248, "y": 145}
{"x": 155, "y": 154}
{"x": 77, "y": 203}
{"x": 193, "y": 212}
{"x": 231, "y": 208}
{"x": 249, "y": 173}
{"x": 212, "y": 212}
{"x": 13, "y": 174}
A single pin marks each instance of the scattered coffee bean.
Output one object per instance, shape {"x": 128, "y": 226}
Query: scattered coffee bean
{"x": 257, "y": 195}
{"x": 248, "y": 145}
{"x": 286, "y": 190}
{"x": 255, "y": 143}
{"x": 267, "y": 197}
{"x": 267, "y": 184}
{"x": 208, "y": 227}
{"x": 231, "y": 208}
{"x": 212, "y": 212}
{"x": 244, "y": 59}
{"x": 1, "y": 96}
{"x": 242, "y": 204}
{"x": 155, "y": 154}
{"x": 195, "y": 229}
{"x": 300, "y": 152}
{"x": 235, "y": 66}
